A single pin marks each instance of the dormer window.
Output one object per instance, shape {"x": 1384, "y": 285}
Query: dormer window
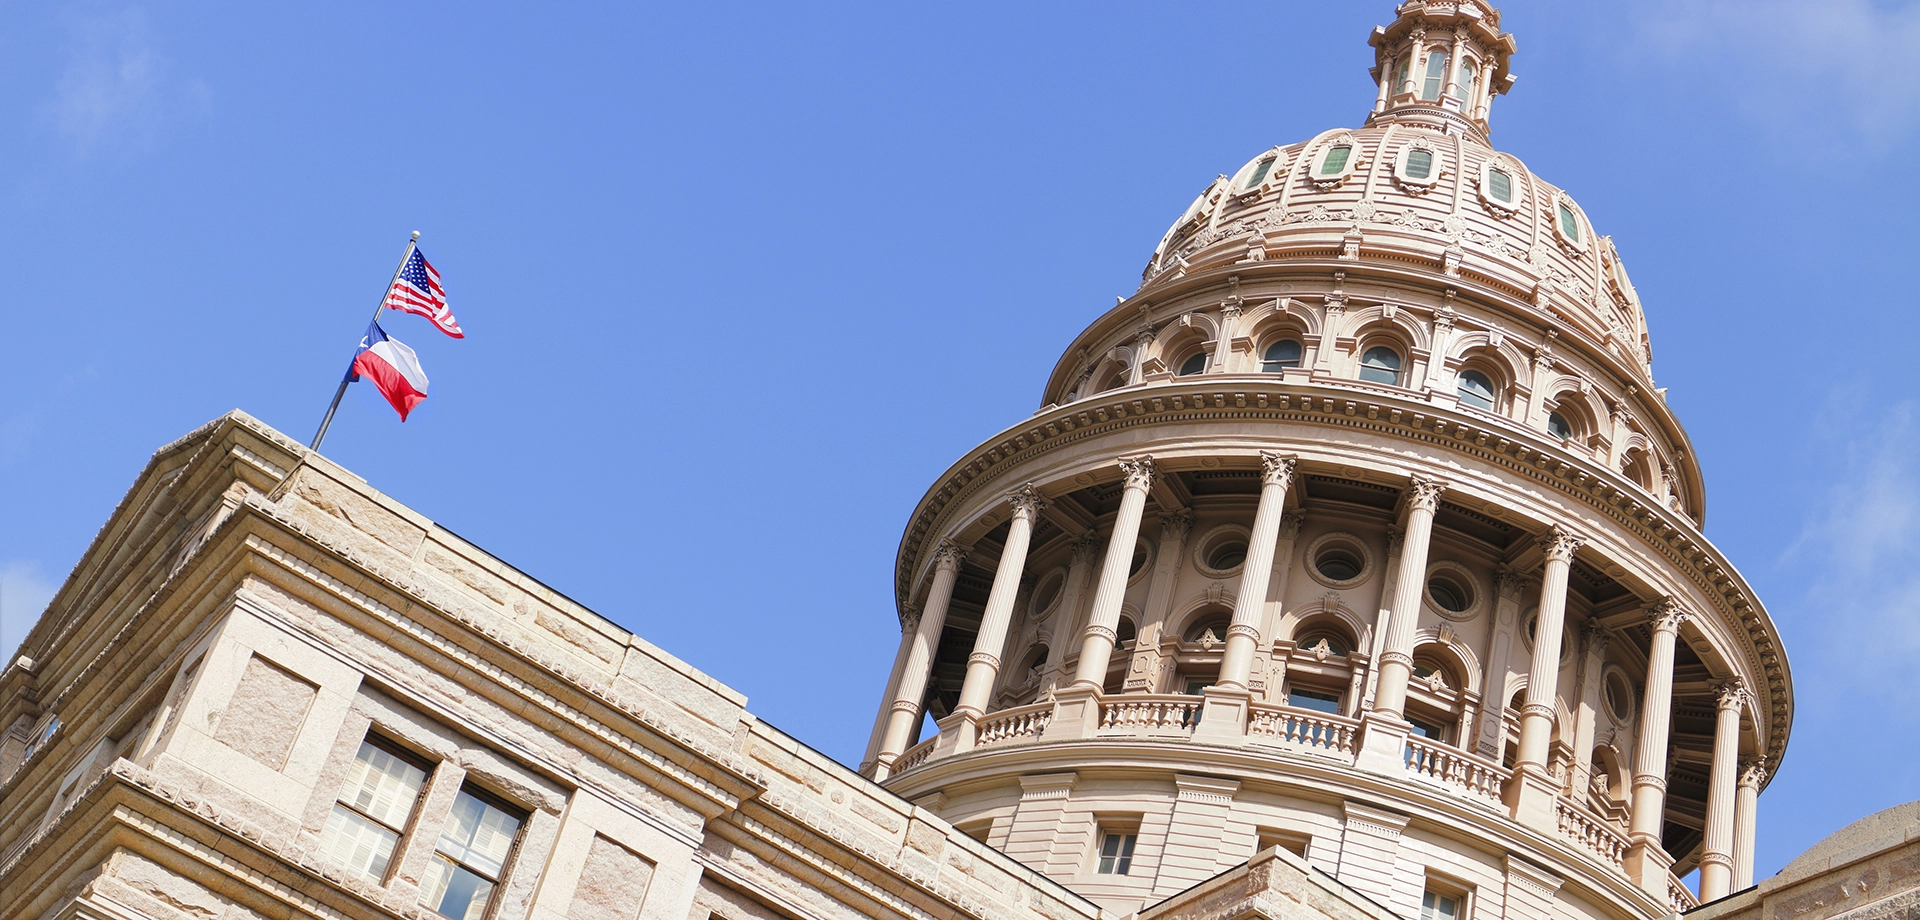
{"x": 1259, "y": 173}
{"x": 1569, "y": 224}
{"x": 1334, "y": 161}
{"x": 1280, "y": 356}
{"x": 1419, "y": 164}
{"x": 1500, "y": 186}
{"x": 1436, "y": 75}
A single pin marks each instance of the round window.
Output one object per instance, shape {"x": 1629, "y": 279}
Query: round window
{"x": 1222, "y": 551}
{"x": 1620, "y": 697}
{"x": 1338, "y": 563}
{"x": 1338, "y": 560}
{"x": 1448, "y": 595}
{"x": 1139, "y": 562}
{"x": 1047, "y": 593}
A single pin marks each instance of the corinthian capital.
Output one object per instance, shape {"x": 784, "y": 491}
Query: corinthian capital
{"x": 1085, "y": 547}
{"x": 1139, "y": 472}
{"x": 1290, "y": 524}
{"x": 1276, "y": 469}
{"x": 1026, "y": 501}
{"x": 1424, "y": 493}
{"x": 1176, "y": 526}
{"x": 1508, "y": 583}
{"x": 1754, "y": 772}
{"x": 1731, "y": 694}
{"x": 1667, "y": 615}
{"x": 948, "y": 556}
{"x": 909, "y": 617}
{"x": 1559, "y": 543}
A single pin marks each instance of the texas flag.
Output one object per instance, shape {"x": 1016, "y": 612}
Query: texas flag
{"x": 394, "y": 367}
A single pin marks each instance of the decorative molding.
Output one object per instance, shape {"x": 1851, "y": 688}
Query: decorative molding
{"x": 1560, "y": 543}
{"x": 1139, "y": 472}
{"x": 1423, "y": 494}
{"x": 1277, "y": 469}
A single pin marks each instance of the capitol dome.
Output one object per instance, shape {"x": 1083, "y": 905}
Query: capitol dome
{"x": 1361, "y": 529}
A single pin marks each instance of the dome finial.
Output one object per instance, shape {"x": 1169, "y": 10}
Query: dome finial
{"x": 1441, "y": 62}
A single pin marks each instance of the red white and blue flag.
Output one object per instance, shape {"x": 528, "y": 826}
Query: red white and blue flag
{"x": 394, "y": 367}
{"x": 417, "y": 290}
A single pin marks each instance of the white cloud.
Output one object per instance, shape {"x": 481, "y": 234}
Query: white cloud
{"x": 1845, "y": 59}
{"x": 24, "y": 593}
{"x": 116, "y": 84}
{"x": 1864, "y": 544}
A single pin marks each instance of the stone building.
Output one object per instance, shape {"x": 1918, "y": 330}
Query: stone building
{"x": 1352, "y": 568}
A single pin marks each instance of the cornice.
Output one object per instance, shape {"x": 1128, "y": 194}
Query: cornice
{"x": 1518, "y": 451}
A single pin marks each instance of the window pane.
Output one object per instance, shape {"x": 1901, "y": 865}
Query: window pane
{"x": 1318, "y": 702}
{"x": 1467, "y": 76}
{"x": 1438, "y": 907}
{"x": 1380, "y": 365}
{"x": 1336, "y": 160}
{"x": 1419, "y": 164}
{"x": 1194, "y": 365}
{"x": 478, "y": 834}
{"x": 454, "y": 890}
{"x": 1259, "y": 173}
{"x": 1126, "y": 854}
{"x": 1281, "y": 355}
{"x": 1476, "y": 390}
{"x": 359, "y": 844}
{"x": 1436, "y": 72}
{"x": 1557, "y": 425}
{"x": 1568, "y": 225}
{"x": 382, "y": 786}
{"x": 1500, "y": 185}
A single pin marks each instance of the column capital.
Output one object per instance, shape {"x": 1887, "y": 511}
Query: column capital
{"x": 948, "y": 555}
{"x": 1731, "y": 694}
{"x": 1086, "y": 547}
{"x": 1423, "y": 493}
{"x": 1508, "y": 583}
{"x": 1290, "y": 524}
{"x": 1667, "y": 615}
{"x": 1559, "y": 543}
{"x": 1139, "y": 472}
{"x": 909, "y": 617}
{"x": 1176, "y": 525}
{"x": 1754, "y": 772}
{"x": 1396, "y": 538}
{"x": 1026, "y": 501}
{"x": 1594, "y": 637}
{"x": 1276, "y": 469}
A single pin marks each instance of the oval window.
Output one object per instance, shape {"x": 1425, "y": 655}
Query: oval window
{"x": 1259, "y": 173}
{"x": 1419, "y": 164}
{"x": 1500, "y": 186}
{"x": 1280, "y": 356}
{"x": 1449, "y": 594}
{"x": 1476, "y": 390}
{"x": 1227, "y": 555}
{"x": 1620, "y": 697}
{"x": 1380, "y": 364}
{"x": 1139, "y": 559}
{"x": 1338, "y": 563}
{"x": 1335, "y": 160}
{"x": 1558, "y": 426}
{"x": 1569, "y": 224}
{"x": 1193, "y": 365}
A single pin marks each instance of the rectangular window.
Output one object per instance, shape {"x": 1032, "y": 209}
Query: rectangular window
{"x": 1568, "y": 225}
{"x": 1335, "y": 161}
{"x": 1328, "y": 703}
{"x": 470, "y": 856}
{"x": 372, "y": 810}
{"x": 1500, "y": 185}
{"x": 1437, "y": 906}
{"x": 1427, "y": 729}
{"x": 1116, "y": 852}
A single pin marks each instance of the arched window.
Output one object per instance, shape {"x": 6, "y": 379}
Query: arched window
{"x": 1335, "y": 160}
{"x": 1436, "y": 75}
{"x": 1215, "y": 626}
{"x": 1280, "y": 356}
{"x": 1500, "y": 186}
{"x": 1419, "y": 163}
{"x": 1400, "y": 74}
{"x": 1558, "y": 426}
{"x": 1380, "y": 364}
{"x": 1124, "y": 634}
{"x": 1468, "y": 74}
{"x": 1476, "y": 390}
{"x": 1193, "y": 365}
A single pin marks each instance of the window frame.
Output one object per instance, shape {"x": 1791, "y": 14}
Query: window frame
{"x": 1379, "y": 343}
{"x": 1443, "y": 77}
{"x": 1125, "y": 833}
{"x": 490, "y": 799}
{"x": 1484, "y": 187}
{"x": 1316, "y": 164}
{"x": 1583, "y": 231}
{"x": 1205, "y": 358}
{"x": 427, "y": 766}
{"x": 1246, "y": 185}
{"x": 1406, "y": 180}
{"x": 1492, "y": 395}
{"x": 1299, "y": 361}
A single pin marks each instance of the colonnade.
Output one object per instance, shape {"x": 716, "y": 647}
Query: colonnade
{"x": 1532, "y": 794}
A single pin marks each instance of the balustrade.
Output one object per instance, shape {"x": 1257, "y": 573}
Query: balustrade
{"x": 1317, "y": 732}
{"x": 1010, "y": 725}
{"x": 1594, "y": 834}
{"x": 914, "y": 756}
{"x": 1458, "y": 769}
{"x": 1153, "y": 715}
{"x": 1678, "y": 896}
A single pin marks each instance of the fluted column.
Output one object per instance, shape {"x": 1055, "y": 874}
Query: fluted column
{"x": 1716, "y": 860}
{"x": 1746, "y": 806}
{"x": 983, "y": 666}
{"x": 1396, "y": 662}
{"x": 1250, "y": 601}
{"x": 912, "y": 691}
{"x": 1536, "y": 718}
{"x": 1096, "y": 647}
{"x": 1646, "y": 861}
{"x": 883, "y": 713}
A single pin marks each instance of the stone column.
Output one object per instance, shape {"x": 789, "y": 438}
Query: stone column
{"x": 983, "y": 666}
{"x": 1716, "y": 860}
{"x": 1077, "y": 707}
{"x": 909, "y": 626}
{"x": 1065, "y": 622}
{"x": 1507, "y": 587}
{"x": 1384, "y": 729}
{"x": 1532, "y": 792}
{"x": 1225, "y": 715}
{"x": 1377, "y": 642}
{"x": 1746, "y": 804}
{"x": 912, "y": 692}
{"x": 1143, "y": 670}
{"x": 1646, "y": 862}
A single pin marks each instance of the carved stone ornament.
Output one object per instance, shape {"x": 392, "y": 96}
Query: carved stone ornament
{"x": 1139, "y": 472}
{"x": 948, "y": 555}
{"x": 1290, "y": 524}
{"x": 1559, "y": 543}
{"x": 1754, "y": 772}
{"x": 1508, "y": 583}
{"x": 1667, "y": 615}
{"x": 909, "y": 618}
{"x": 1026, "y": 501}
{"x": 1276, "y": 469}
{"x": 1321, "y": 650}
{"x": 1731, "y": 694}
{"x": 1424, "y": 493}
{"x": 1595, "y": 638}
{"x": 1085, "y": 548}
{"x": 1435, "y": 682}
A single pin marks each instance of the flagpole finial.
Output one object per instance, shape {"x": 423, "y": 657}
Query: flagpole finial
{"x": 416, "y": 236}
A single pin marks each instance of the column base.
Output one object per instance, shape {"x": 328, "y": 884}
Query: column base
{"x": 957, "y": 733}
{"x": 1532, "y": 798}
{"x": 1223, "y": 716}
{"x": 1383, "y": 744}
{"x": 1076, "y": 714}
{"x": 1649, "y": 866}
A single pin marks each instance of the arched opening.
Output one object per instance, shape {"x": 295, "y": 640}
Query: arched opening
{"x": 1436, "y": 75}
{"x": 1192, "y": 364}
{"x": 1474, "y": 388}
{"x": 1381, "y": 364}
{"x": 1281, "y": 356}
{"x": 1319, "y": 674}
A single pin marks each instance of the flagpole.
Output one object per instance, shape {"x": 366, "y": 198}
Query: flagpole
{"x": 347, "y": 378}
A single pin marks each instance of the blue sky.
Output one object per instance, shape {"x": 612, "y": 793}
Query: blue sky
{"x": 740, "y": 281}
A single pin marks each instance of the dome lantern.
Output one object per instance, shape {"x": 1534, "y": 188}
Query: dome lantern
{"x": 1440, "y": 63}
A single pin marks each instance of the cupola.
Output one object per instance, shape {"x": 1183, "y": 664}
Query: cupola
{"x": 1440, "y": 64}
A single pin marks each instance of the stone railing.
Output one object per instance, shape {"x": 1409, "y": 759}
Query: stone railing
{"x": 1317, "y": 732}
{"x": 1678, "y": 896}
{"x": 1455, "y": 768}
{"x": 1014, "y": 725}
{"x": 914, "y": 756}
{"x": 1592, "y": 833}
{"x": 1141, "y": 714}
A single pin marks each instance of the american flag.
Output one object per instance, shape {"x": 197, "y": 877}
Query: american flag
{"x": 417, "y": 290}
